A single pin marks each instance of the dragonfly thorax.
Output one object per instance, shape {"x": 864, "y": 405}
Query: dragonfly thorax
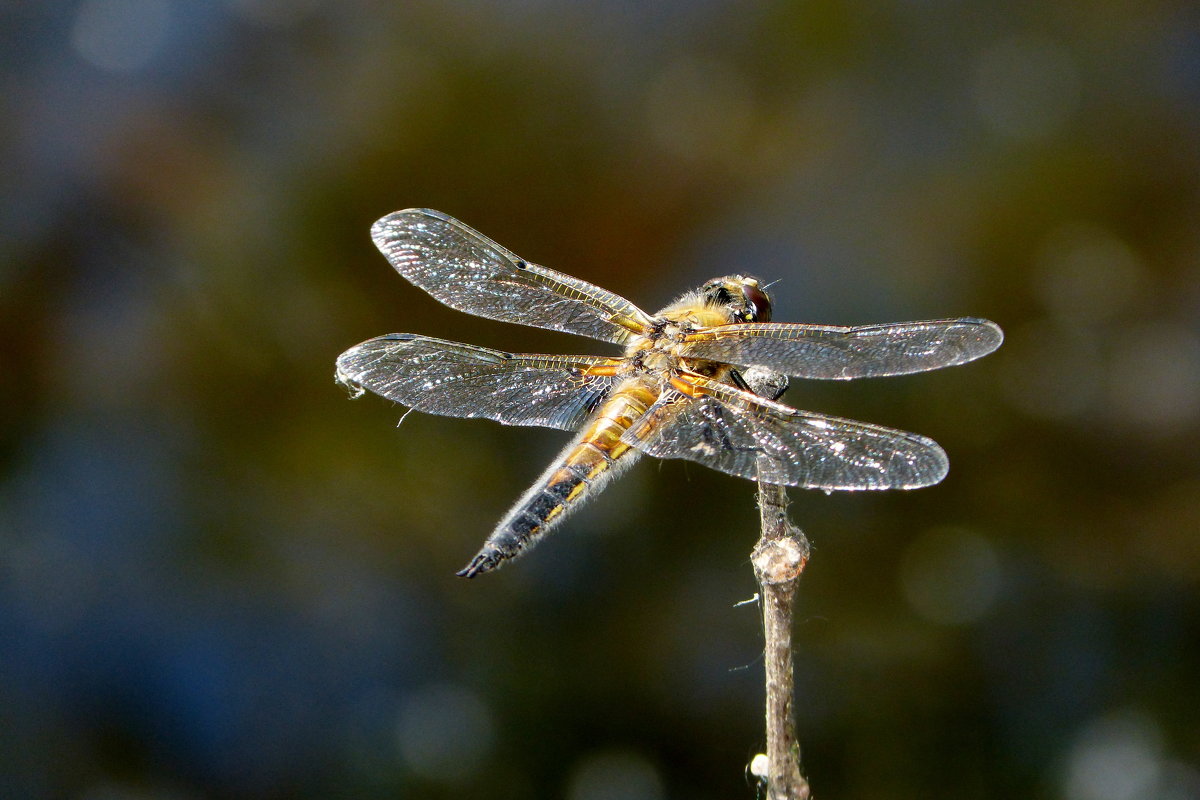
{"x": 657, "y": 353}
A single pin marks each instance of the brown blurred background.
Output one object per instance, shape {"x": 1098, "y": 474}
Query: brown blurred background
{"x": 219, "y": 578}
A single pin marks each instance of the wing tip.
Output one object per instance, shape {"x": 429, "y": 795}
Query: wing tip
{"x": 931, "y": 467}
{"x": 348, "y": 381}
{"x": 382, "y": 228}
{"x": 939, "y": 463}
{"x": 989, "y": 335}
{"x": 348, "y": 369}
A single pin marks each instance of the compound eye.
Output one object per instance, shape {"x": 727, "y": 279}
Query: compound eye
{"x": 759, "y": 305}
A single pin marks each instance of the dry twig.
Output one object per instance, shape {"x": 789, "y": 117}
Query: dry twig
{"x": 779, "y": 559}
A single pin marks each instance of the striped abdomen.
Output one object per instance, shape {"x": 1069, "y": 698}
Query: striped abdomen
{"x": 593, "y": 457}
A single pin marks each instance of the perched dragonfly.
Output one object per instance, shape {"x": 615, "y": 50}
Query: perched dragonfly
{"x": 698, "y": 380}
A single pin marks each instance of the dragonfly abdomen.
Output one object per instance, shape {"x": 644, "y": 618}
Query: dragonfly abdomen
{"x": 594, "y": 457}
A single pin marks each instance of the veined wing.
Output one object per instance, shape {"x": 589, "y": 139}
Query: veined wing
{"x": 737, "y": 432}
{"x": 461, "y": 380}
{"x": 469, "y": 272}
{"x": 837, "y": 353}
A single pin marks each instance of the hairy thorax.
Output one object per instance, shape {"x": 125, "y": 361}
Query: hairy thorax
{"x": 658, "y": 355}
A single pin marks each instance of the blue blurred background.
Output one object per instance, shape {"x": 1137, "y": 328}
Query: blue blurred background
{"x": 221, "y": 579}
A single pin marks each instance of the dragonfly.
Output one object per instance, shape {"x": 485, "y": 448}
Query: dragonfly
{"x": 699, "y": 380}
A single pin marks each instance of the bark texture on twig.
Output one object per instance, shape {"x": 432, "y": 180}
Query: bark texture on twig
{"x": 778, "y": 559}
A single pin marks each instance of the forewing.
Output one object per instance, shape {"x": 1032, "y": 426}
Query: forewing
{"x": 736, "y": 432}
{"x": 836, "y": 353}
{"x": 468, "y": 271}
{"x": 461, "y": 380}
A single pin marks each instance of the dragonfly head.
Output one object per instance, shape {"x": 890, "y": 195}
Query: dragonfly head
{"x": 743, "y": 296}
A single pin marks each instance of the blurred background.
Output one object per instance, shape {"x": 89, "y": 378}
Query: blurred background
{"x": 219, "y": 578}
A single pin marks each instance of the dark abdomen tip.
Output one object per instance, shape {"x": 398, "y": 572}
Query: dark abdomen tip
{"x": 484, "y": 562}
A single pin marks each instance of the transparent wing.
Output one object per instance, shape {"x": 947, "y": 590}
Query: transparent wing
{"x": 837, "y": 353}
{"x": 752, "y": 437}
{"x": 469, "y": 272}
{"x": 461, "y": 380}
